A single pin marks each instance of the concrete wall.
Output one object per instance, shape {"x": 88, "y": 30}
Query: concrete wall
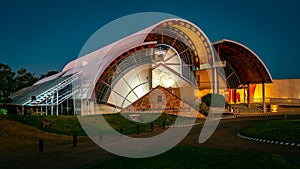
{"x": 280, "y": 91}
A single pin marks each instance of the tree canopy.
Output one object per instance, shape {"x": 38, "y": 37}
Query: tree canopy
{"x": 24, "y": 79}
{"x": 50, "y": 73}
{"x": 11, "y": 82}
{"x": 7, "y": 80}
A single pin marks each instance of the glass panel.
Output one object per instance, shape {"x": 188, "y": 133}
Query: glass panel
{"x": 122, "y": 87}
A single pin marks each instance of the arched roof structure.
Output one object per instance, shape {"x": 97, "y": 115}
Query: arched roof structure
{"x": 243, "y": 66}
{"x": 187, "y": 39}
{"x": 100, "y": 71}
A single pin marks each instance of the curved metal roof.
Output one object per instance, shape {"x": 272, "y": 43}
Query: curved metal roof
{"x": 246, "y": 66}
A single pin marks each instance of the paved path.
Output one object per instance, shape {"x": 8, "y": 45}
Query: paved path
{"x": 88, "y": 154}
{"x": 225, "y": 138}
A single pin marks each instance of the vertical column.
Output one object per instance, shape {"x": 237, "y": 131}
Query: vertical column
{"x": 232, "y": 95}
{"x": 88, "y": 106}
{"x": 52, "y": 105}
{"x": 67, "y": 106}
{"x": 217, "y": 81}
{"x": 57, "y": 103}
{"x": 91, "y": 105}
{"x": 264, "y": 98}
{"x": 46, "y": 106}
{"x": 244, "y": 94}
{"x": 61, "y": 109}
{"x": 74, "y": 105}
{"x": 248, "y": 95}
{"x": 81, "y": 106}
{"x": 214, "y": 76}
{"x": 150, "y": 76}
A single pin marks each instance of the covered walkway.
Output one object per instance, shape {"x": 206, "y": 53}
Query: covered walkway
{"x": 243, "y": 67}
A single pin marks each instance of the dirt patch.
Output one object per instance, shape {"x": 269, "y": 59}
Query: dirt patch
{"x": 15, "y": 129}
{"x": 18, "y": 140}
{"x": 19, "y": 148}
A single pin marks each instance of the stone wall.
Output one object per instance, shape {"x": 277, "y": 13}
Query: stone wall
{"x": 161, "y": 100}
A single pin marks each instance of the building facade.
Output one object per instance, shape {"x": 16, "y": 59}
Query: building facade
{"x": 173, "y": 55}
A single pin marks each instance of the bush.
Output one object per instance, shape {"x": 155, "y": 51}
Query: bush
{"x": 203, "y": 109}
{"x": 5, "y": 100}
{"x": 3, "y": 111}
{"x": 214, "y": 100}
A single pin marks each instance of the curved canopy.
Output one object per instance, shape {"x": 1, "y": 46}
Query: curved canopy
{"x": 102, "y": 66}
{"x": 243, "y": 66}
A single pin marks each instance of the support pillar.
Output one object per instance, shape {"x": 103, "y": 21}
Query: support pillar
{"x": 217, "y": 82}
{"x": 67, "y": 106}
{"x": 81, "y": 106}
{"x": 88, "y": 106}
{"x": 248, "y": 95}
{"x": 244, "y": 95}
{"x": 74, "y": 106}
{"x": 57, "y": 103}
{"x": 264, "y": 98}
{"x": 52, "y": 105}
{"x": 150, "y": 76}
{"x": 46, "y": 107}
{"x": 234, "y": 96}
{"x": 61, "y": 109}
{"x": 214, "y": 84}
{"x": 91, "y": 105}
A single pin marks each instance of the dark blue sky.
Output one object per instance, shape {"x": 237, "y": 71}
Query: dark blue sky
{"x": 46, "y": 35}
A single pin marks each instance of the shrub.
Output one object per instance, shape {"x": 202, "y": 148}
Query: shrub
{"x": 3, "y": 111}
{"x": 5, "y": 100}
{"x": 203, "y": 109}
{"x": 214, "y": 100}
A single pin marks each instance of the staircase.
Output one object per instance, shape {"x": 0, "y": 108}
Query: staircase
{"x": 52, "y": 95}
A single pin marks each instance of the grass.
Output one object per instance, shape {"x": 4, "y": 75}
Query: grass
{"x": 279, "y": 130}
{"x": 63, "y": 125}
{"x": 200, "y": 157}
{"x": 179, "y": 156}
{"x": 70, "y": 125}
{"x": 118, "y": 121}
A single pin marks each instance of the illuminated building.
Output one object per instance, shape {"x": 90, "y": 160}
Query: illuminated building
{"x": 174, "y": 54}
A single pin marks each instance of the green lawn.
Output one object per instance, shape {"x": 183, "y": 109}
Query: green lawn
{"x": 279, "y": 130}
{"x": 64, "y": 125}
{"x": 69, "y": 125}
{"x": 199, "y": 157}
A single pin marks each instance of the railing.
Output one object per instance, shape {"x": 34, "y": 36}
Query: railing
{"x": 260, "y": 116}
{"x": 43, "y": 97}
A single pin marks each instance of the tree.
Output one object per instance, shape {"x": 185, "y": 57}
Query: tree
{"x": 50, "y": 73}
{"x": 10, "y": 82}
{"x": 24, "y": 79}
{"x": 214, "y": 100}
{"x": 6, "y": 81}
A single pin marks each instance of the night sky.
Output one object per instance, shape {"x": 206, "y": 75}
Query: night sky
{"x": 45, "y": 35}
